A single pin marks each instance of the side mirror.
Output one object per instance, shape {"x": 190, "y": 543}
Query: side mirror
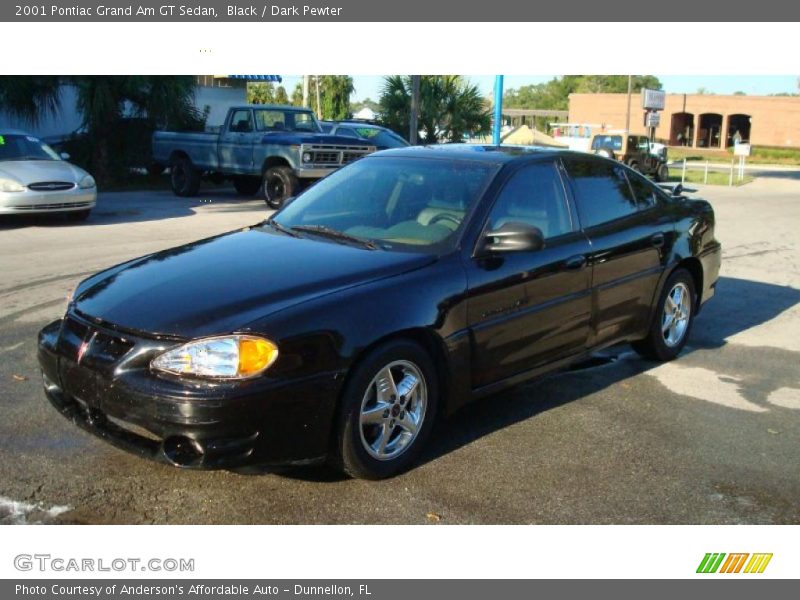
{"x": 514, "y": 237}
{"x": 64, "y": 156}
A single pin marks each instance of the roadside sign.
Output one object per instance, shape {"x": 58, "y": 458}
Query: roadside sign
{"x": 653, "y": 99}
{"x": 652, "y": 119}
{"x": 741, "y": 150}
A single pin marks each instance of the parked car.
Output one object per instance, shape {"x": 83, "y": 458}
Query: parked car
{"x": 380, "y": 137}
{"x": 35, "y": 179}
{"x": 636, "y": 151}
{"x": 260, "y": 147}
{"x": 409, "y": 283}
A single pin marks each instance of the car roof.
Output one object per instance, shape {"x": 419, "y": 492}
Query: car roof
{"x": 478, "y": 152}
{"x": 283, "y": 107}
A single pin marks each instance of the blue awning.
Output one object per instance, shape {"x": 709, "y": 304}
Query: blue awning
{"x": 275, "y": 78}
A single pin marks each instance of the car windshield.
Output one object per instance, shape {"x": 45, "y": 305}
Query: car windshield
{"x": 25, "y": 147}
{"x": 285, "y": 120}
{"x": 607, "y": 142}
{"x": 380, "y": 137}
{"x": 398, "y": 203}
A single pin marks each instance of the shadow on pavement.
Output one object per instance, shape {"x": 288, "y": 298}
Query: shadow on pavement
{"x": 134, "y": 207}
{"x": 738, "y": 305}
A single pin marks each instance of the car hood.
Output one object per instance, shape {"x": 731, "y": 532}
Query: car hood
{"x": 27, "y": 172}
{"x": 221, "y": 284}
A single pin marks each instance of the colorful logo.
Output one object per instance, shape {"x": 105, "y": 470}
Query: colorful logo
{"x": 734, "y": 563}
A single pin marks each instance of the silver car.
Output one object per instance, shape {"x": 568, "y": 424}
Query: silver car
{"x": 35, "y": 179}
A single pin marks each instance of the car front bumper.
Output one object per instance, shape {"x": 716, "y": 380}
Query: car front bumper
{"x": 34, "y": 202}
{"x": 111, "y": 393}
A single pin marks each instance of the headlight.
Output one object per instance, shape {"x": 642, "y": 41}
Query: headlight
{"x": 87, "y": 182}
{"x": 226, "y": 357}
{"x": 9, "y": 185}
{"x": 306, "y": 157}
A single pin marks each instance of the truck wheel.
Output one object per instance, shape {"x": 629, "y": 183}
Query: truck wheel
{"x": 185, "y": 179}
{"x": 280, "y": 183}
{"x": 634, "y": 165}
{"x": 662, "y": 173}
{"x": 246, "y": 186}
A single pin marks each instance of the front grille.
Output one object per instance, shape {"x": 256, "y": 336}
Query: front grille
{"x": 334, "y": 155}
{"x": 52, "y": 206}
{"x": 102, "y": 348}
{"x": 51, "y": 186}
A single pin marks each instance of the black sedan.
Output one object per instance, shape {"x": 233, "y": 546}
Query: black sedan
{"x": 395, "y": 290}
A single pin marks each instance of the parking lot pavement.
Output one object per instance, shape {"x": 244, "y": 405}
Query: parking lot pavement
{"x": 712, "y": 437}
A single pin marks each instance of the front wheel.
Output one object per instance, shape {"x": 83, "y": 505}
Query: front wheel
{"x": 280, "y": 183}
{"x": 388, "y": 409}
{"x": 673, "y": 319}
{"x": 662, "y": 173}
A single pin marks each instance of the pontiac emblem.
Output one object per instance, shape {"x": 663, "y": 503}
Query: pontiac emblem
{"x": 84, "y": 347}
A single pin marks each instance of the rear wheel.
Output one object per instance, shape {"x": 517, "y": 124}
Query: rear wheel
{"x": 280, "y": 183}
{"x": 388, "y": 410}
{"x": 185, "y": 179}
{"x": 246, "y": 186}
{"x": 673, "y": 319}
{"x": 634, "y": 165}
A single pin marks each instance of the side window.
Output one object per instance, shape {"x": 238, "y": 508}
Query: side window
{"x": 534, "y": 195}
{"x": 346, "y": 132}
{"x": 644, "y": 191}
{"x": 242, "y": 121}
{"x": 601, "y": 190}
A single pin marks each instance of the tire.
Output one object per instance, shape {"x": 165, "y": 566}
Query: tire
{"x": 78, "y": 215}
{"x": 280, "y": 183}
{"x": 665, "y": 343}
{"x": 246, "y": 186}
{"x": 662, "y": 173}
{"x": 634, "y": 165}
{"x": 365, "y": 450}
{"x": 184, "y": 178}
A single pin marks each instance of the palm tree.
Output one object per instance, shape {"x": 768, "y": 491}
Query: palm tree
{"x": 449, "y": 107}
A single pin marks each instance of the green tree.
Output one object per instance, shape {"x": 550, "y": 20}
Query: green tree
{"x": 297, "y": 95}
{"x": 450, "y": 106}
{"x": 554, "y": 94}
{"x": 280, "y": 95}
{"x": 335, "y": 91}
{"x": 260, "y": 92}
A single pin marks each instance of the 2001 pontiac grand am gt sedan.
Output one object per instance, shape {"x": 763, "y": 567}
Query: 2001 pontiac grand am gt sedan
{"x": 396, "y": 289}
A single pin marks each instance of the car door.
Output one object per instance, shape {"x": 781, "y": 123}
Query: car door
{"x": 236, "y": 143}
{"x": 630, "y": 237}
{"x": 528, "y": 308}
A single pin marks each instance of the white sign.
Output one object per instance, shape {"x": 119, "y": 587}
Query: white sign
{"x": 741, "y": 150}
{"x": 652, "y": 119}
{"x": 653, "y": 99}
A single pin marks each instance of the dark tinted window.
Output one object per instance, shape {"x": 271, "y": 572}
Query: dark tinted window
{"x": 601, "y": 190}
{"x": 644, "y": 191}
{"x": 534, "y": 195}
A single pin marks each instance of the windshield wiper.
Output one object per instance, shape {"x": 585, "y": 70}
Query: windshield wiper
{"x": 335, "y": 234}
{"x": 282, "y": 228}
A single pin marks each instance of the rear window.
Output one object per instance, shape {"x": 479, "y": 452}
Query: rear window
{"x": 607, "y": 142}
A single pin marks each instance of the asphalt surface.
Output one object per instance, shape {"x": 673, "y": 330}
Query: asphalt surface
{"x": 713, "y": 437}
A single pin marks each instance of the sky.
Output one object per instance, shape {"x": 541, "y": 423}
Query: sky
{"x": 368, "y": 86}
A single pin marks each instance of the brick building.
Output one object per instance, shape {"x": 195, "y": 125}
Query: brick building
{"x": 700, "y": 120}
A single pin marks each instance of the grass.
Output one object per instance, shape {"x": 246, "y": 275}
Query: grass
{"x": 760, "y": 156}
{"x": 714, "y": 177}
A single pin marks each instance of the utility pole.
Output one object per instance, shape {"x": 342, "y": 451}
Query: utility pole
{"x": 305, "y": 90}
{"x": 413, "y": 125}
{"x": 319, "y": 104}
{"x": 628, "y": 114}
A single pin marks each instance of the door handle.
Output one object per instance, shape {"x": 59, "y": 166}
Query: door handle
{"x": 657, "y": 240}
{"x": 575, "y": 263}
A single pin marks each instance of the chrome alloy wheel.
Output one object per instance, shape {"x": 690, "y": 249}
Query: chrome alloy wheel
{"x": 393, "y": 410}
{"x": 677, "y": 311}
